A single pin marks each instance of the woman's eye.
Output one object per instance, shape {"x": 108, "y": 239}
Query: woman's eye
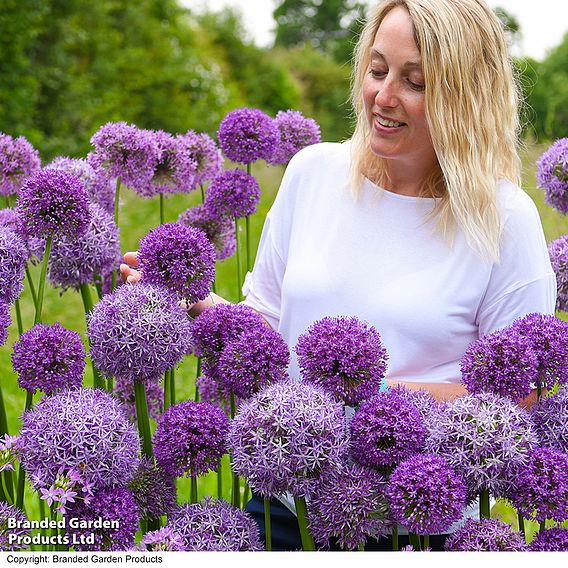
{"x": 416, "y": 86}
{"x": 377, "y": 73}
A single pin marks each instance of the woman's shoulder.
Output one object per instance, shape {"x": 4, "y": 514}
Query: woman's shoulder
{"x": 513, "y": 202}
{"x": 336, "y": 154}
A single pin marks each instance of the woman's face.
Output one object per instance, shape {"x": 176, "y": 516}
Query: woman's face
{"x": 393, "y": 94}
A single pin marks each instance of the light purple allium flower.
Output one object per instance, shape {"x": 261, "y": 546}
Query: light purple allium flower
{"x": 427, "y": 405}
{"x": 540, "y": 489}
{"x": 179, "y": 258}
{"x": 548, "y": 336}
{"x": 153, "y": 490}
{"x": 219, "y": 230}
{"x": 116, "y": 504}
{"x": 7, "y": 453}
{"x": 233, "y": 193}
{"x": 85, "y": 429}
{"x": 207, "y": 155}
{"x": 485, "y": 535}
{"x": 34, "y": 247}
{"x": 13, "y": 258}
{"x": 74, "y": 261}
{"x": 138, "y": 332}
{"x": 549, "y": 417}
{"x": 345, "y": 356}
{"x": 426, "y": 495}
{"x": 486, "y": 438}
{"x": 552, "y": 175}
{"x": 296, "y": 132}
{"x": 257, "y": 358}
{"x": 162, "y": 540}
{"x": 286, "y": 436}
{"x": 558, "y": 253}
{"x": 124, "y": 391}
{"x": 211, "y": 390}
{"x": 386, "y": 430}
{"x": 53, "y": 203}
{"x": 5, "y": 322}
{"x": 502, "y": 362}
{"x": 11, "y": 512}
{"x": 191, "y": 438}
{"x": 97, "y": 182}
{"x": 215, "y": 525}
{"x": 49, "y": 358}
{"x": 247, "y": 135}
{"x": 126, "y": 151}
{"x": 554, "y": 539}
{"x": 18, "y": 160}
{"x": 348, "y": 505}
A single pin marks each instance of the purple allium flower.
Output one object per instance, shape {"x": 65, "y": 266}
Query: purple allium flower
{"x": 554, "y": 539}
{"x": 16, "y": 533}
{"x": 13, "y": 258}
{"x": 205, "y": 152}
{"x": 125, "y": 151}
{"x": 97, "y": 182}
{"x": 138, "y": 332}
{"x": 427, "y": 405}
{"x": 18, "y": 160}
{"x": 386, "y": 430}
{"x": 5, "y": 322}
{"x": 85, "y": 429}
{"x": 180, "y": 258}
{"x": 190, "y": 438}
{"x": 53, "y": 203}
{"x": 213, "y": 525}
{"x": 213, "y": 391}
{"x": 502, "y": 362}
{"x": 558, "y": 253}
{"x": 34, "y": 247}
{"x": 296, "y": 132}
{"x": 219, "y": 230}
{"x": 540, "y": 489}
{"x": 486, "y": 438}
{"x": 485, "y": 535}
{"x": 73, "y": 261}
{"x": 7, "y": 453}
{"x": 552, "y": 175}
{"x": 549, "y": 417}
{"x": 233, "y": 193}
{"x": 286, "y": 436}
{"x": 548, "y": 336}
{"x": 348, "y": 505}
{"x": 258, "y": 357}
{"x": 124, "y": 391}
{"x": 162, "y": 540}
{"x": 248, "y": 134}
{"x": 49, "y": 358}
{"x": 345, "y": 356}
{"x": 426, "y": 495}
{"x": 153, "y": 490}
{"x": 116, "y": 505}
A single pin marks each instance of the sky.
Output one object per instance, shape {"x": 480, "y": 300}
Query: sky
{"x": 543, "y": 22}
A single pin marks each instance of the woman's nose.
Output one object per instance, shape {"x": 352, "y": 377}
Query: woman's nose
{"x": 387, "y": 94}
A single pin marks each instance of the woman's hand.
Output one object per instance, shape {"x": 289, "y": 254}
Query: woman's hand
{"x": 128, "y": 272}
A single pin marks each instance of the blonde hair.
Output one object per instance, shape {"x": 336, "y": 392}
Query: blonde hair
{"x": 471, "y": 106}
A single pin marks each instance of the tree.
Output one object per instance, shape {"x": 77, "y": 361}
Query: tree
{"x": 510, "y": 24}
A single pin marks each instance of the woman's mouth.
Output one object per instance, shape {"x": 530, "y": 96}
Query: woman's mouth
{"x": 388, "y": 123}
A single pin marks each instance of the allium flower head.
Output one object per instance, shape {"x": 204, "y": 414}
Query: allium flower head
{"x": 73, "y": 261}
{"x": 124, "y": 391}
{"x": 345, "y": 356}
{"x": 296, "y": 132}
{"x": 219, "y": 230}
{"x": 125, "y": 151}
{"x": 348, "y": 505}
{"x": 233, "y": 193}
{"x": 485, "y": 535}
{"x": 35, "y": 247}
{"x": 190, "y": 438}
{"x": 552, "y": 175}
{"x": 53, "y": 203}
{"x": 486, "y": 438}
{"x": 558, "y": 253}
{"x": 426, "y": 495}
{"x": 426, "y": 404}
{"x": 138, "y": 332}
{"x": 206, "y": 153}
{"x": 18, "y": 160}
{"x": 502, "y": 362}
{"x": 247, "y": 135}
{"x": 116, "y": 504}
{"x": 85, "y": 429}
{"x": 385, "y": 430}
{"x": 215, "y": 525}
{"x": 286, "y": 436}
{"x": 180, "y": 258}
{"x": 554, "y": 539}
{"x": 213, "y": 391}
{"x": 49, "y": 358}
{"x": 5, "y": 322}
{"x": 13, "y": 258}
{"x": 11, "y": 512}
{"x": 162, "y": 540}
{"x": 549, "y": 417}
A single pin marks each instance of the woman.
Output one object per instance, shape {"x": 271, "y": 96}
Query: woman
{"x": 417, "y": 224}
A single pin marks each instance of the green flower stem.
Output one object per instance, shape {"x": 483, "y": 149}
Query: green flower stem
{"x": 248, "y": 240}
{"x": 484, "y": 506}
{"x": 162, "y": 208}
{"x": 202, "y": 193}
{"x": 220, "y": 480}
{"x": 110, "y": 383}
{"x": 21, "y": 471}
{"x": 238, "y": 259}
{"x": 246, "y": 494}
{"x": 167, "y": 402}
{"x": 522, "y": 525}
{"x": 98, "y": 381}
{"x": 426, "y": 541}
{"x": 414, "y": 541}
{"x": 213, "y": 287}
{"x": 116, "y": 201}
{"x": 236, "y": 490}
{"x": 267, "y": 525}
{"x": 19, "y": 316}
{"x": 197, "y": 375}
{"x": 142, "y": 418}
{"x": 7, "y": 201}
{"x": 99, "y": 287}
{"x": 395, "y": 545}
{"x": 172, "y": 387}
{"x": 7, "y": 489}
{"x": 41, "y": 288}
{"x": 193, "y": 494}
{"x": 361, "y": 547}
{"x": 302, "y": 513}
{"x": 542, "y": 526}
{"x": 31, "y": 284}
